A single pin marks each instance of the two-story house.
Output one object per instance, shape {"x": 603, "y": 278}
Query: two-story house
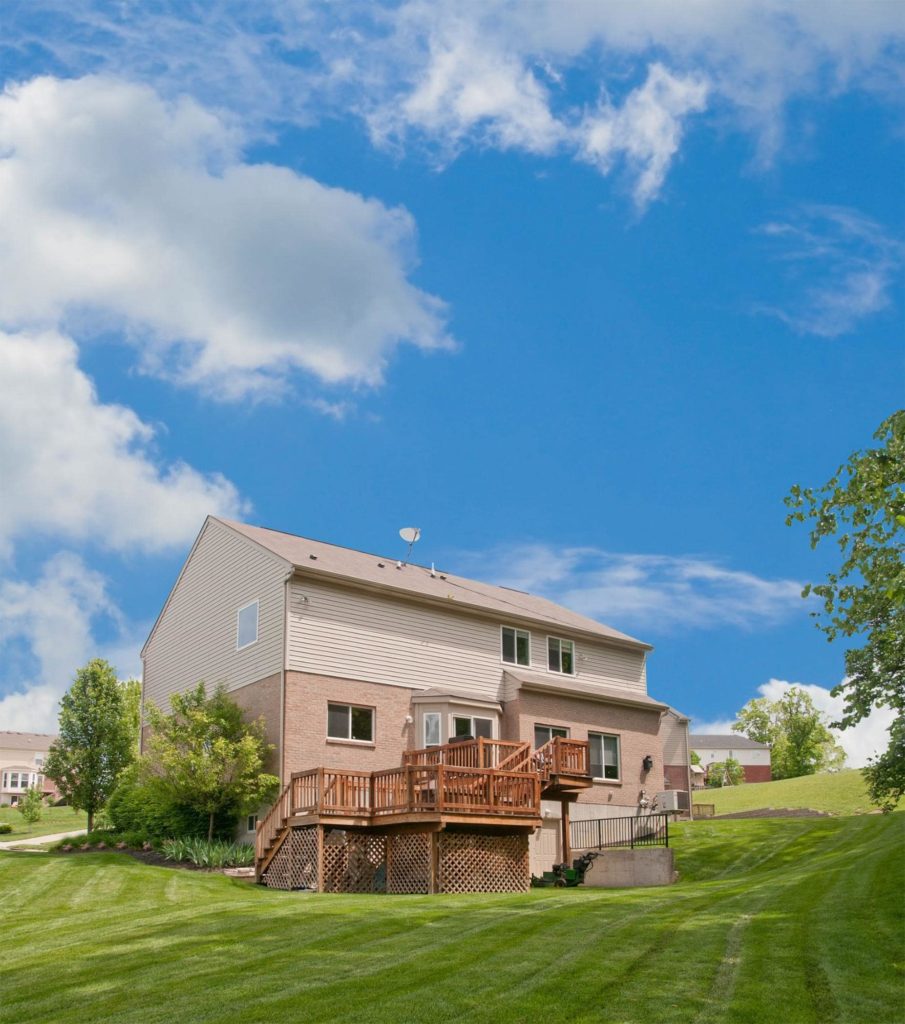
{"x": 356, "y": 660}
{"x": 22, "y": 756}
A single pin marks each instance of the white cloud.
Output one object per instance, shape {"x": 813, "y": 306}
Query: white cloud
{"x": 646, "y": 129}
{"x": 122, "y": 210}
{"x": 501, "y": 72}
{"x": 50, "y": 624}
{"x": 78, "y": 468}
{"x": 644, "y": 591}
{"x": 842, "y": 265}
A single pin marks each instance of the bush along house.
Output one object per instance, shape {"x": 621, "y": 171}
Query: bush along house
{"x": 432, "y": 733}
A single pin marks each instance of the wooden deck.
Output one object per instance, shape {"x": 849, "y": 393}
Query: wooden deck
{"x": 479, "y": 782}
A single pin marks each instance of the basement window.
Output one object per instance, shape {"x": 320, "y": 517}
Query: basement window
{"x": 348, "y": 722}
{"x": 247, "y": 625}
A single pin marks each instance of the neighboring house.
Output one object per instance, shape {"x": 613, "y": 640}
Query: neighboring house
{"x": 355, "y": 661}
{"x": 753, "y": 757}
{"x": 676, "y": 751}
{"x": 22, "y": 756}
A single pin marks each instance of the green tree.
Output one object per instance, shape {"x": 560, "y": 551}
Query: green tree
{"x": 800, "y": 742}
{"x": 132, "y": 700}
{"x": 885, "y": 775}
{"x": 206, "y": 756}
{"x": 725, "y": 773}
{"x": 31, "y": 804}
{"x": 95, "y": 739}
{"x": 862, "y": 508}
{"x": 695, "y": 757}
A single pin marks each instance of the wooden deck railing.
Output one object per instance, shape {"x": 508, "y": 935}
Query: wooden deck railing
{"x": 479, "y": 753}
{"x": 561, "y": 756}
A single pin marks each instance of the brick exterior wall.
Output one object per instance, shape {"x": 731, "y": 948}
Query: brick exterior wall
{"x": 676, "y": 776}
{"x": 757, "y": 772}
{"x": 637, "y": 728}
{"x": 261, "y": 699}
{"x": 305, "y": 736}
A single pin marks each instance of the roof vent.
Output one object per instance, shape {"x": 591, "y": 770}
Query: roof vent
{"x": 313, "y": 558}
{"x": 381, "y": 565}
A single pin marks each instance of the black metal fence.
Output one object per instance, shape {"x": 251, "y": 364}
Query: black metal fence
{"x": 610, "y": 833}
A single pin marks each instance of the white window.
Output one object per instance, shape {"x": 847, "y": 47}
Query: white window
{"x": 561, "y": 655}
{"x": 604, "y": 756}
{"x": 544, "y": 733}
{"x": 39, "y": 760}
{"x": 247, "y": 625}
{"x": 432, "y": 728}
{"x": 348, "y": 722}
{"x": 466, "y": 725}
{"x": 5, "y": 779}
{"x": 252, "y": 824}
{"x": 516, "y": 645}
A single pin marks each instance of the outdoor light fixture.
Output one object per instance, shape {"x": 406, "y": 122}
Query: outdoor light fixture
{"x": 648, "y": 762}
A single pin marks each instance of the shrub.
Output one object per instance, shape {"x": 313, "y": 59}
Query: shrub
{"x": 138, "y": 807}
{"x": 209, "y": 854}
{"x": 5, "y": 828}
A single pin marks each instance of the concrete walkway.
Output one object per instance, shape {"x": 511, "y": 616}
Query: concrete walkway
{"x": 41, "y": 840}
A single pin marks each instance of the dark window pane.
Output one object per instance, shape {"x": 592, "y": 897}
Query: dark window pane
{"x": 338, "y": 721}
{"x": 362, "y": 724}
{"x": 610, "y": 757}
{"x": 553, "y": 654}
{"x": 556, "y": 731}
{"x": 461, "y": 726}
{"x": 509, "y": 645}
{"x": 541, "y": 735}
{"x": 483, "y": 727}
{"x": 522, "y": 648}
{"x": 566, "y": 657}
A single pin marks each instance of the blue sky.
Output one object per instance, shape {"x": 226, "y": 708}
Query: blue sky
{"x": 579, "y": 289}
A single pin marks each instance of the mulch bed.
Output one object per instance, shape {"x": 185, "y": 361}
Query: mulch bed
{"x": 153, "y": 857}
{"x": 770, "y": 812}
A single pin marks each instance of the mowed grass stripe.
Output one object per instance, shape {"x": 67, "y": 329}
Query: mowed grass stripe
{"x": 148, "y": 945}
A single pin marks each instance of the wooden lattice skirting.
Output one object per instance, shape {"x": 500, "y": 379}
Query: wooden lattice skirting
{"x": 472, "y": 862}
{"x": 294, "y": 865}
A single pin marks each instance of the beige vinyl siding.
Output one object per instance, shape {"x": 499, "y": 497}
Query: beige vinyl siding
{"x": 673, "y": 735}
{"x": 354, "y": 634}
{"x": 195, "y": 637}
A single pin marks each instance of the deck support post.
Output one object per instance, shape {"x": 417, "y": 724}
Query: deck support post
{"x": 434, "y": 885}
{"x": 566, "y": 837}
{"x": 320, "y": 857}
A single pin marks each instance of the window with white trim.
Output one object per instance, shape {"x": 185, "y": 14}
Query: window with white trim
{"x": 515, "y": 646}
{"x": 544, "y": 733}
{"x": 561, "y": 655}
{"x": 432, "y": 728}
{"x": 468, "y": 725}
{"x": 605, "y": 756}
{"x": 246, "y": 625}
{"x": 350, "y": 722}
{"x": 252, "y": 824}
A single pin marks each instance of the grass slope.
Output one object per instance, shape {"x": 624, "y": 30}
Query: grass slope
{"x": 837, "y": 792}
{"x": 53, "y": 819}
{"x": 798, "y": 921}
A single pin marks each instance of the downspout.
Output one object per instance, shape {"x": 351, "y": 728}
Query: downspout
{"x": 286, "y": 581}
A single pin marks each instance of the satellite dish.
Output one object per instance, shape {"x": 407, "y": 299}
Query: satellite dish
{"x": 409, "y": 534}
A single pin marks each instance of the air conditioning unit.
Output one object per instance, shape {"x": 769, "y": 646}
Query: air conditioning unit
{"x": 672, "y": 800}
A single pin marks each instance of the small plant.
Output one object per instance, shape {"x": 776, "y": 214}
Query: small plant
{"x": 31, "y": 805}
{"x": 205, "y": 853}
{"x": 5, "y": 828}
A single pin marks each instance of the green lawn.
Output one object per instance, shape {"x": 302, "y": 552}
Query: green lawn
{"x": 838, "y": 792}
{"x": 797, "y": 921}
{"x": 53, "y": 819}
